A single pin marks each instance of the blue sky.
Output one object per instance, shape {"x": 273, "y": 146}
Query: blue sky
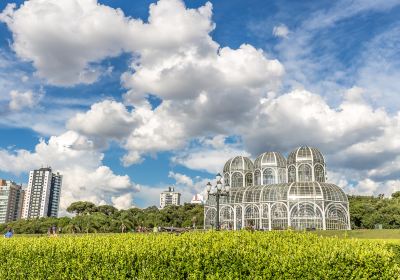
{"x": 136, "y": 104}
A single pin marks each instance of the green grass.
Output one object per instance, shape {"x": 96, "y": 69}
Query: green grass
{"x": 362, "y": 233}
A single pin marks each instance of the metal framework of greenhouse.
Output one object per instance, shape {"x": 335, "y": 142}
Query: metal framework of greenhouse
{"x": 293, "y": 194}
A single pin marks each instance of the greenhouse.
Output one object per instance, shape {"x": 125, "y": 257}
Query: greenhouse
{"x": 275, "y": 193}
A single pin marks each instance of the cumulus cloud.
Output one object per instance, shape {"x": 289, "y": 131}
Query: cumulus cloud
{"x": 106, "y": 119}
{"x": 207, "y": 157}
{"x": 181, "y": 178}
{"x": 301, "y": 117}
{"x": 207, "y": 92}
{"x": 280, "y": 30}
{"x": 66, "y": 39}
{"x": 124, "y": 201}
{"x": 21, "y": 100}
{"x": 175, "y": 59}
{"x": 190, "y": 73}
{"x": 85, "y": 177}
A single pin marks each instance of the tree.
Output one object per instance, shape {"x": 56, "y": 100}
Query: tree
{"x": 106, "y": 209}
{"x": 81, "y": 207}
{"x": 396, "y": 194}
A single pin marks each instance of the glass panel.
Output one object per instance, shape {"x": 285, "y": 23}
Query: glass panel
{"x": 282, "y": 176}
{"x": 249, "y": 179}
{"x": 319, "y": 173}
{"x": 257, "y": 177}
{"x": 226, "y": 179}
{"x": 237, "y": 180}
{"x": 269, "y": 176}
{"x": 292, "y": 174}
{"x": 305, "y": 173}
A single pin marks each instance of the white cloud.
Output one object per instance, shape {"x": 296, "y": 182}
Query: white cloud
{"x": 175, "y": 59}
{"x": 313, "y": 53}
{"x": 105, "y": 119}
{"x": 280, "y": 30}
{"x": 208, "y": 92}
{"x": 21, "y": 100}
{"x": 84, "y": 176}
{"x": 181, "y": 179}
{"x": 67, "y": 39}
{"x": 190, "y": 75}
{"x": 383, "y": 85}
{"x": 208, "y": 158}
{"x": 132, "y": 157}
{"x": 64, "y": 38}
{"x": 46, "y": 121}
{"x": 123, "y": 201}
{"x": 301, "y": 117}
{"x": 217, "y": 141}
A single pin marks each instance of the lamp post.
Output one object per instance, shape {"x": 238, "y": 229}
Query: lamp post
{"x": 218, "y": 190}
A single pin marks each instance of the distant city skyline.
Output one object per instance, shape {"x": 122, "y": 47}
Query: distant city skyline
{"x": 126, "y": 98}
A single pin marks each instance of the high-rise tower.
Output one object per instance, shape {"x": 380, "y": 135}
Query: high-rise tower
{"x": 11, "y": 200}
{"x": 42, "y": 196}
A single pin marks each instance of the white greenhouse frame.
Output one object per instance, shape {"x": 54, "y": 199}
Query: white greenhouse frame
{"x": 306, "y": 203}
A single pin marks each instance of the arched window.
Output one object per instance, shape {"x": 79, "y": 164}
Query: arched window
{"x": 291, "y": 174}
{"x": 319, "y": 173}
{"x": 249, "y": 179}
{"x": 282, "y": 176}
{"x": 226, "y": 179}
{"x": 269, "y": 176}
{"x": 237, "y": 180}
{"x": 257, "y": 177}
{"x": 305, "y": 173}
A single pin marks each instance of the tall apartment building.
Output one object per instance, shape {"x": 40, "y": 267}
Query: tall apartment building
{"x": 42, "y": 197}
{"x": 170, "y": 197}
{"x": 11, "y": 201}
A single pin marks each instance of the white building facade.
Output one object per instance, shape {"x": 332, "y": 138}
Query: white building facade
{"x": 274, "y": 193}
{"x": 197, "y": 199}
{"x": 42, "y": 197}
{"x": 11, "y": 200}
{"x": 170, "y": 197}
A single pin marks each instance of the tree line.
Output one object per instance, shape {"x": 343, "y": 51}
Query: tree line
{"x": 366, "y": 212}
{"x": 90, "y": 218}
{"x": 371, "y": 211}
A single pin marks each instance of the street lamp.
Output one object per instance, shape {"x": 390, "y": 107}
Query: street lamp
{"x": 218, "y": 190}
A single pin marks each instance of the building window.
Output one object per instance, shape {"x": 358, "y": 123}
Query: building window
{"x": 257, "y": 177}
{"x": 319, "y": 173}
{"x": 282, "y": 176}
{"x": 269, "y": 177}
{"x": 226, "y": 179}
{"x": 292, "y": 174}
{"x": 305, "y": 173}
{"x": 237, "y": 180}
{"x": 249, "y": 179}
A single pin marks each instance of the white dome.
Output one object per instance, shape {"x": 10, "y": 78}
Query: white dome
{"x": 239, "y": 163}
{"x": 270, "y": 159}
{"x": 305, "y": 154}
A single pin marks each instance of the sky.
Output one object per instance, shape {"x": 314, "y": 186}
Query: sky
{"x": 126, "y": 98}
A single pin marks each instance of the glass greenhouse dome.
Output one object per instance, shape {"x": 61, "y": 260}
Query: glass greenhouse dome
{"x": 303, "y": 201}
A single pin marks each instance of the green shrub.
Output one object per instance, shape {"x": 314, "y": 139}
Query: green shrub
{"x": 210, "y": 255}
